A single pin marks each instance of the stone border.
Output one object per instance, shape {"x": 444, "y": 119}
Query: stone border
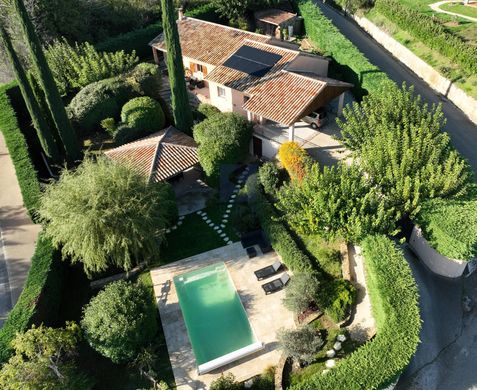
{"x": 437, "y": 263}
{"x": 432, "y": 77}
{"x": 279, "y": 372}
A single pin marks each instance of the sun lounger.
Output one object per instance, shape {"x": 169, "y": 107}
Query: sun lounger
{"x": 268, "y": 271}
{"x": 276, "y": 284}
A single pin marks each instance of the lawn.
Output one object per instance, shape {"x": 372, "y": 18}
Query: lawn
{"x": 460, "y": 9}
{"x": 326, "y": 254}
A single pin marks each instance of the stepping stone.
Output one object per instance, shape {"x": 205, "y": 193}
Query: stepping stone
{"x": 229, "y": 242}
{"x": 226, "y": 239}
{"x": 179, "y": 223}
{"x": 228, "y": 211}
{"x": 219, "y": 231}
{"x": 208, "y": 221}
{"x": 330, "y": 363}
{"x": 325, "y": 371}
{"x": 331, "y": 353}
{"x": 224, "y": 221}
{"x": 222, "y": 235}
{"x": 230, "y": 206}
{"x": 337, "y": 346}
{"x": 168, "y": 230}
{"x": 233, "y": 196}
{"x": 211, "y": 224}
{"x": 341, "y": 338}
{"x": 174, "y": 228}
{"x": 222, "y": 225}
{"x": 181, "y": 218}
{"x": 240, "y": 181}
{"x": 216, "y": 227}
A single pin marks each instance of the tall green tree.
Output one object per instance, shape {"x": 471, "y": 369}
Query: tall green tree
{"x": 53, "y": 97}
{"x": 43, "y": 131}
{"x": 180, "y": 98}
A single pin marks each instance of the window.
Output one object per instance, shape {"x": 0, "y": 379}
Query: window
{"x": 221, "y": 92}
{"x": 199, "y": 68}
{"x": 246, "y": 99}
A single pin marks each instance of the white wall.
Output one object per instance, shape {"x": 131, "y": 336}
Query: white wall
{"x": 437, "y": 263}
{"x": 269, "y": 147}
{"x": 197, "y": 75}
{"x": 224, "y": 104}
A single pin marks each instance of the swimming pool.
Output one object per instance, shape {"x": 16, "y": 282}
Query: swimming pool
{"x": 215, "y": 318}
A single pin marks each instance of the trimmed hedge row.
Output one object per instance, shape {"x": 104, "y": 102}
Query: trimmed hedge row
{"x": 395, "y": 300}
{"x": 18, "y": 149}
{"x": 276, "y": 232}
{"x": 40, "y": 298}
{"x": 351, "y": 63}
{"x": 430, "y": 31}
{"x": 206, "y": 11}
{"x": 137, "y": 40}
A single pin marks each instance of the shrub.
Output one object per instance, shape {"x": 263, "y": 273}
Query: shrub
{"x": 207, "y": 110}
{"x": 450, "y": 226}
{"x": 269, "y": 175}
{"x": 206, "y": 11}
{"x": 137, "y": 40}
{"x": 120, "y": 320}
{"x": 354, "y": 66}
{"x": 225, "y": 382}
{"x": 144, "y": 114}
{"x": 106, "y": 213}
{"x": 294, "y": 159}
{"x": 19, "y": 153}
{"x": 302, "y": 292}
{"x": 74, "y": 67}
{"x": 223, "y": 139}
{"x": 39, "y": 300}
{"x": 338, "y": 296}
{"x": 431, "y": 32}
{"x": 145, "y": 80}
{"x": 396, "y": 310}
{"x": 243, "y": 219}
{"x": 302, "y": 343}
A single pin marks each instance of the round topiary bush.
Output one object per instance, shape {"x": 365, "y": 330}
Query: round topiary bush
{"x": 144, "y": 114}
{"x": 120, "y": 320}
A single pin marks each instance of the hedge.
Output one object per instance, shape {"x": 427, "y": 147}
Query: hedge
{"x": 18, "y": 149}
{"x": 39, "y": 300}
{"x": 206, "y": 11}
{"x": 137, "y": 40}
{"x": 351, "y": 63}
{"x": 450, "y": 226}
{"x": 431, "y": 32}
{"x": 395, "y": 304}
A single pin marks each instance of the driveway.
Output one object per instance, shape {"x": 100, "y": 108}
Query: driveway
{"x": 462, "y": 131}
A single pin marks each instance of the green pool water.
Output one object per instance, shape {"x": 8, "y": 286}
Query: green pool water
{"x": 215, "y": 318}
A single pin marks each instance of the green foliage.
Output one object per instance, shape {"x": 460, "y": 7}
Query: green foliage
{"x": 337, "y": 297}
{"x": 396, "y": 310}
{"x": 47, "y": 82}
{"x": 75, "y": 66}
{"x": 337, "y": 201}
{"x": 205, "y": 11}
{"x": 135, "y": 40}
{"x": 225, "y": 382}
{"x": 120, "y": 321}
{"x": 400, "y": 145}
{"x": 43, "y": 132}
{"x": 355, "y": 67}
{"x": 104, "y": 99}
{"x": 106, "y": 213}
{"x": 302, "y": 343}
{"x": 302, "y": 292}
{"x": 431, "y": 31}
{"x": 266, "y": 380}
{"x": 207, "y": 110}
{"x": 180, "y": 97}
{"x": 232, "y": 9}
{"x": 19, "y": 153}
{"x": 44, "y": 360}
{"x": 269, "y": 176}
{"x": 223, "y": 139}
{"x": 451, "y": 227}
{"x": 279, "y": 237}
{"x": 40, "y": 293}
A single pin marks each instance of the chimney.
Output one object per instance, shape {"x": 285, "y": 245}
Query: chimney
{"x": 181, "y": 13}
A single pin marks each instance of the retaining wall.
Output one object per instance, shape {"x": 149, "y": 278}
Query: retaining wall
{"x": 437, "y": 263}
{"x": 426, "y": 72}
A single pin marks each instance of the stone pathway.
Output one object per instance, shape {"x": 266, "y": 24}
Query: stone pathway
{"x": 436, "y": 7}
{"x": 219, "y": 227}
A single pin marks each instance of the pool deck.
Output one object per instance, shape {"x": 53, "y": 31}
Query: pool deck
{"x": 265, "y": 313}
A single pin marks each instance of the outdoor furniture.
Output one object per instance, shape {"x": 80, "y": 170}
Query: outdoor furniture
{"x": 268, "y": 271}
{"x": 276, "y": 285}
{"x": 200, "y": 84}
{"x": 251, "y": 252}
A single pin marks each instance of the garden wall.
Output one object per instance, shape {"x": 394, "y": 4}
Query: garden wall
{"x": 437, "y": 263}
{"x": 426, "y": 72}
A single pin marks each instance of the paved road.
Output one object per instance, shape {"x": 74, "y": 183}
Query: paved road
{"x": 463, "y": 132}
{"x": 446, "y": 358}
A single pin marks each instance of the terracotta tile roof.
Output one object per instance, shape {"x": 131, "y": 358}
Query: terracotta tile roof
{"x": 284, "y": 97}
{"x": 242, "y": 81}
{"x": 159, "y": 156}
{"x": 274, "y": 16}
{"x": 208, "y": 42}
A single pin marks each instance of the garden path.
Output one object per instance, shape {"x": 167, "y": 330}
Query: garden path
{"x": 17, "y": 235}
{"x": 436, "y": 7}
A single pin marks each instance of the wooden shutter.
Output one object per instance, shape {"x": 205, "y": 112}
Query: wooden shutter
{"x": 192, "y": 67}
{"x": 204, "y": 70}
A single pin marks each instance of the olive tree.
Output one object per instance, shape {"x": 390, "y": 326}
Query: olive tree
{"x": 302, "y": 343}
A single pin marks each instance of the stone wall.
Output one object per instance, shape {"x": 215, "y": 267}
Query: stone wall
{"x": 437, "y": 263}
{"x": 426, "y": 72}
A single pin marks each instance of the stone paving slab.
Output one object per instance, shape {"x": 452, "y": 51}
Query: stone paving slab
{"x": 265, "y": 313}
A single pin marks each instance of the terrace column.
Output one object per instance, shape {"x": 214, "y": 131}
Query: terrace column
{"x": 341, "y": 104}
{"x": 156, "y": 57}
{"x": 291, "y": 133}
{"x": 249, "y": 116}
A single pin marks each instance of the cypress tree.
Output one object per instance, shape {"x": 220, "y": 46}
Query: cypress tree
{"x": 180, "y": 98}
{"x": 43, "y": 131}
{"x": 46, "y": 80}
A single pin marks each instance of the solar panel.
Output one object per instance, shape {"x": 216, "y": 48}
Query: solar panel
{"x": 255, "y": 62}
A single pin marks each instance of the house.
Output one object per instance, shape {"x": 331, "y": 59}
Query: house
{"x": 161, "y": 156}
{"x": 255, "y": 75}
{"x": 274, "y": 21}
